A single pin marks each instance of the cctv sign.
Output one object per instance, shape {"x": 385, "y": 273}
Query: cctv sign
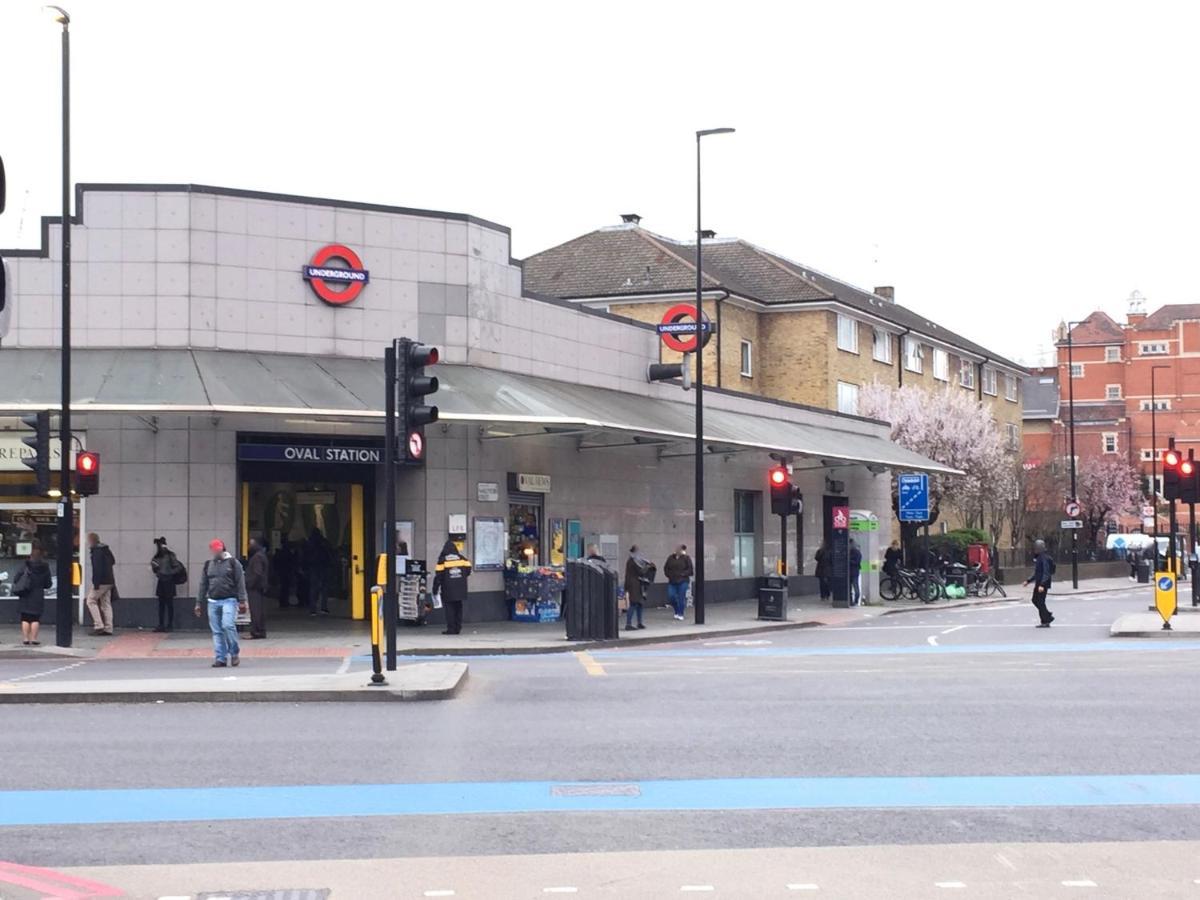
{"x": 336, "y": 284}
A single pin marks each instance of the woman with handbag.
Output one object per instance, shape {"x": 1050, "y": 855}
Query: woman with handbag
{"x": 30, "y": 588}
{"x": 637, "y": 570}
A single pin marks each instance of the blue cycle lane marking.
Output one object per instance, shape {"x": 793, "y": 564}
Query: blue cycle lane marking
{"x": 90, "y": 807}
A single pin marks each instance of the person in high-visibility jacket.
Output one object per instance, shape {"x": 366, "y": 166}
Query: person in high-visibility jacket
{"x": 450, "y": 581}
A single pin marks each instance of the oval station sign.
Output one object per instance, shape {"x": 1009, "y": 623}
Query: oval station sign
{"x": 322, "y": 276}
{"x": 678, "y": 328}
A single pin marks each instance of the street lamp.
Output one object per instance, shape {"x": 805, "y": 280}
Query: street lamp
{"x": 698, "y": 593}
{"x": 1071, "y": 413}
{"x": 64, "y": 611}
{"x": 1154, "y": 457}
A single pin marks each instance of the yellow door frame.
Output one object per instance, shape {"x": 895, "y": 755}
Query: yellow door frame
{"x": 357, "y": 553}
{"x": 244, "y": 536}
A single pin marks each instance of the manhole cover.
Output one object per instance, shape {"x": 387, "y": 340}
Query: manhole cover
{"x": 268, "y": 894}
{"x": 595, "y": 790}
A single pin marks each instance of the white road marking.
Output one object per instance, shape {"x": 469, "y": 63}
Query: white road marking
{"x": 1003, "y": 860}
{"x": 177, "y": 897}
{"x": 803, "y": 887}
{"x": 696, "y": 888}
{"x": 344, "y": 667}
{"x": 560, "y": 890}
{"x": 949, "y": 884}
{"x": 1079, "y": 884}
{"x": 955, "y": 628}
{"x": 65, "y": 668}
{"x": 932, "y": 640}
{"x": 439, "y": 893}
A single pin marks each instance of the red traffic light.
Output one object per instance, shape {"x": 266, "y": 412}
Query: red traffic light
{"x": 779, "y": 476}
{"x": 87, "y": 473}
{"x": 87, "y": 463}
{"x": 1171, "y": 458}
{"x": 1187, "y": 467}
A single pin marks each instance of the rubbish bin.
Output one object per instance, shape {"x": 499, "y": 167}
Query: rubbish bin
{"x": 1143, "y": 571}
{"x": 590, "y": 602}
{"x": 772, "y": 598}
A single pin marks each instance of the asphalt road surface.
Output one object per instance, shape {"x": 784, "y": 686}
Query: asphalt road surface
{"x": 953, "y": 750}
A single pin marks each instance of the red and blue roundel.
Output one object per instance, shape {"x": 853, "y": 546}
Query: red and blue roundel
{"x": 352, "y": 277}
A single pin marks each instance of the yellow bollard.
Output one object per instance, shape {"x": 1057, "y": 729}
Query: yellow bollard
{"x": 377, "y": 679}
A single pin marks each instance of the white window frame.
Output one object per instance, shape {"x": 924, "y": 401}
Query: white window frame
{"x": 966, "y": 373}
{"x": 1109, "y": 389}
{"x": 1154, "y": 348}
{"x": 941, "y": 364}
{"x": 1112, "y": 354}
{"x": 847, "y": 387}
{"x": 1010, "y": 387}
{"x": 1109, "y": 437}
{"x": 850, "y": 327}
{"x": 1014, "y": 437}
{"x": 1163, "y": 404}
{"x": 1149, "y": 454}
{"x": 913, "y": 356}
{"x": 1076, "y": 370}
{"x": 882, "y": 341}
{"x": 989, "y": 381}
{"x": 746, "y": 359}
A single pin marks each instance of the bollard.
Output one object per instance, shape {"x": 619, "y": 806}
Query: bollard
{"x": 377, "y": 679}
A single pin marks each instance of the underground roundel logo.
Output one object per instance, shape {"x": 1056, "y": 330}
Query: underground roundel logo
{"x": 337, "y": 285}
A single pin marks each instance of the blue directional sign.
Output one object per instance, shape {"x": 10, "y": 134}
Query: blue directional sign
{"x": 914, "y": 497}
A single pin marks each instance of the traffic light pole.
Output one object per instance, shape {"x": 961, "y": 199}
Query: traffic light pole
{"x": 391, "y": 602}
{"x": 1192, "y": 540}
{"x": 64, "y": 612}
{"x": 783, "y": 551}
{"x": 698, "y": 591}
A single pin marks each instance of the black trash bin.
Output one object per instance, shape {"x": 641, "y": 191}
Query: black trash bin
{"x": 1143, "y": 571}
{"x": 772, "y": 598}
{"x": 590, "y": 602}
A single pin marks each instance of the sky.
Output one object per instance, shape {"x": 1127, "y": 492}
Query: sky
{"x": 1004, "y": 167}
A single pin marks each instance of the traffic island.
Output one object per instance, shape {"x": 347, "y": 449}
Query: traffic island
{"x": 1151, "y": 625}
{"x": 419, "y": 681}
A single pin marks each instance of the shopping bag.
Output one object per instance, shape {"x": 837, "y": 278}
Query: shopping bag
{"x": 437, "y": 601}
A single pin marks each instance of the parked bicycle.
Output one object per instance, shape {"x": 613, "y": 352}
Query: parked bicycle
{"x": 911, "y": 584}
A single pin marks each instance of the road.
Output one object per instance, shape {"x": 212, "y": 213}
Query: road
{"x": 961, "y": 748}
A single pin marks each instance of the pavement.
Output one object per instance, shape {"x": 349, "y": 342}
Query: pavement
{"x": 293, "y": 634}
{"x": 1150, "y": 624}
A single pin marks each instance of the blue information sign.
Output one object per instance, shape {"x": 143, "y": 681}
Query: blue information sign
{"x": 914, "y": 497}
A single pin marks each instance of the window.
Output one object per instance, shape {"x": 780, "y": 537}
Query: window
{"x": 1109, "y": 439}
{"x": 1112, "y": 392}
{"x": 847, "y": 398}
{"x": 966, "y": 373}
{"x": 1156, "y": 404}
{"x": 883, "y": 346}
{"x": 745, "y": 531}
{"x": 1010, "y": 388}
{"x": 941, "y": 365}
{"x": 1076, "y": 370}
{"x": 747, "y": 359}
{"x": 913, "y": 355}
{"x": 1153, "y": 348}
{"x": 1014, "y": 437}
{"x": 1112, "y": 354}
{"x": 1148, "y": 454}
{"x": 847, "y": 334}
{"x": 989, "y": 381}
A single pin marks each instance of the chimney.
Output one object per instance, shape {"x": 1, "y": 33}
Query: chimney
{"x": 707, "y": 234}
{"x": 887, "y": 292}
{"x": 630, "y": 218}
{"x": 1136, "y": 310}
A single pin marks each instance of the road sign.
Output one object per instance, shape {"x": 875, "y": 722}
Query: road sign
{"x": 1071, "y": 508}
{"x": 1165, "y": 599}
{"x": 1070, "y": 523}
{"x": 678, "y": 328}
{"x": 914, "y": 497}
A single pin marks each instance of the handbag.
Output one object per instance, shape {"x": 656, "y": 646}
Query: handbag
{"x": 21, "y": 584}
{"x": 622, "y": 601}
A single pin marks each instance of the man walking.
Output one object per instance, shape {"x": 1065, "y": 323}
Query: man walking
{"x": 679, "y": 570}
{"x": 1043, "y": 572}
{"x": 99, "y": 598}
{"x": 450, "y": 581}
{"x": 223, "y": 588}
{"x": 257, "y": 579}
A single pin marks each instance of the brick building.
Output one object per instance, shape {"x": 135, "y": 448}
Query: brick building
{"x": 784, "y": 330}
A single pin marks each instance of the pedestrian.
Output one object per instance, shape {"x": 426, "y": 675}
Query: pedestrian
{"x": 450, "y": 582}
{"x": 854, "y": 564}
{"x": 223, "y": 589}
{"x": 824, "y": 569}
{"x": 636, "y": 572}
{"x": 1132, "y": 557}
{"x": 594, "y": 555}
{"x": 30, "y": 588}
{"x": 1043, "y": 573}
{"x": 318, "y": 559}
{"x": 257, "y": 581}
{"x": 169, "y": 573}
{"x": 100, "y": 597}
{"x": 891, "y": 559}
{"x": 285, "y": 572}
{"x": 678, "y": 570}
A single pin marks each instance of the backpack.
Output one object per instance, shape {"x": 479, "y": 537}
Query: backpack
{"x": 1053, "y": 565}
{"x": 180, "y": 574}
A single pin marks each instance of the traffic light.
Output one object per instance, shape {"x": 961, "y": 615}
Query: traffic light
{"x": 87, "y": 473}
{"x": 781, "y": 491}
{"x": 1171, "y": 465}
{"x": 40, "y": 442}
{"x": 1189, "y": 488}
{"x": 415, "y": 387}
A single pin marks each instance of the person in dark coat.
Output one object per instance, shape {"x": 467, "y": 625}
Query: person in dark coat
{"x": 637, "y": 569}
{"x": 223, "y": 590}
{"x": 824, "y": 570}
{"x": 257, "y": 580}
{"x": 678, "y": 570}
{"x": 30, "y": 587}
{"x": 892, "y": 558}
{"x": 285, "y": 573}
{"x": 1043, "y": 574}
{"x": 450, "y": 581}
{"x": 318, "y": 561}
{"x": 167, "y": 570}
{"x": 100, "y": 597}
{"x": 854, "y": 564}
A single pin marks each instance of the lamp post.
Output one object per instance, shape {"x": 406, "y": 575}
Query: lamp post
{"x": 64, "y": 607}
{"x": 698, "y": 593}
{"x": 1071, "y": 414}
{"x": 1154, "y": 457}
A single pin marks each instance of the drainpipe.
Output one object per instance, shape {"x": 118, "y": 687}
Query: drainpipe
{"x": 900, "y": 357}
{"x": 720, "y": 335}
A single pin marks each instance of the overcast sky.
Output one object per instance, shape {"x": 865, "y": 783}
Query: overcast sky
{"x": 1002, "y": 166}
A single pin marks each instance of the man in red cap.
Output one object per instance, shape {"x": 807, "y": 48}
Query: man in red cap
{"x": 223, "y": 587}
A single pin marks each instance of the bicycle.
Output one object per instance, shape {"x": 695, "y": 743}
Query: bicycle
{"x": 911, "y": 584}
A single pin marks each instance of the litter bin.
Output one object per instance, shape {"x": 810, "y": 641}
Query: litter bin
{"x": 590, "y": 602}
{"x": 1143, "y": 571}
{"x": 772, "y": 598}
